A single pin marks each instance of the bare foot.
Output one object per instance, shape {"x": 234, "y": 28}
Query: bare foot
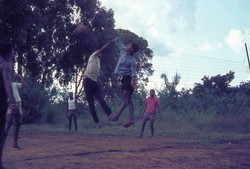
{"x": 114, "y": 118}
{"x": 16, "y": 146}
{"x": 129, "y": 123}
{"x": 99, "y": 125}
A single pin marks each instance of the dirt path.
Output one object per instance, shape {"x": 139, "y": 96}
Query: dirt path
{"x": 82, "y": 152}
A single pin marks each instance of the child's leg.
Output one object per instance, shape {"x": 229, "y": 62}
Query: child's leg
{"x": 75, "y": 122}
{"x": 102, "y": 102}
{"x": 131, "y": 110}
{"x": 17, "y": 118}
{"x": 89, "y": 93}
{"x": 70, "y": 119}
{"x": 131, "y": 106}
{"x": 91, "y": 103}
{"x": 144, "y": 121}
{"x": 125, "y": 96}
{"x": 152, "y": 127}
{"x": 8, "y": 124}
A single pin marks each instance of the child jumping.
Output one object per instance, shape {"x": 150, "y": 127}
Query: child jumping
{"x": 126, "y": 67}
{"x": 91, "y": 86}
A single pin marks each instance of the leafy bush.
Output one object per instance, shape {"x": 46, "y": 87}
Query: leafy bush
{"x": 34, "y": 99}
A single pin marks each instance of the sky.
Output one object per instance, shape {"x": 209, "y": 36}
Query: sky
{"x": 192, "y": 38}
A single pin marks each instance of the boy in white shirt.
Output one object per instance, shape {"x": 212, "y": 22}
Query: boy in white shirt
{"x": 72, "y": 111}
{"x": 92, "y": 87}
{"x": 16, "y": 115}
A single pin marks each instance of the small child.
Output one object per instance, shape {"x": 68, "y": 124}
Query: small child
{"x": 151, "y": 104}
{"x": 72, "y": 110}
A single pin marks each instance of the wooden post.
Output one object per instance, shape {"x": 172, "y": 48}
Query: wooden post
{"x": 247, "y": 56}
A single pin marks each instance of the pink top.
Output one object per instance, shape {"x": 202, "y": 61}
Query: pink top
{"x": 151, "y": 104}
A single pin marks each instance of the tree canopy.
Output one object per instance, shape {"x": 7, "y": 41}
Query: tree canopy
{"x": 48, "y": 51}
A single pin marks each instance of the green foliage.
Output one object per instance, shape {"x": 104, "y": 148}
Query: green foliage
{"x": 34, "y": 99}
{"x": 191, "y": 117}
{"x": 213, "y": 96}
{"x": 211, "y": 105}
{"x": 216, "y": 84}
{"x": 48, "y": 51}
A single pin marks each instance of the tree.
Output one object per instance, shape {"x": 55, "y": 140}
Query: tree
{"x": 73, "y": 62}
{"x": 48, "y": 51}
{"x": 217, "y": 84}
{"x": 170, "y": 87}
{"x": 169, "y": 94}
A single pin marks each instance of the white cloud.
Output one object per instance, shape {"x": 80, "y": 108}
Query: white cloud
{"x": 157, "y": 21}
{"x": 236, "y": 39}
{"x": 171, "y": 29}
{"x": 209, "y": 46}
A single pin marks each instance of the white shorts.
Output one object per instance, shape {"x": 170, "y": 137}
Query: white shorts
{"x": 19, "y": 105}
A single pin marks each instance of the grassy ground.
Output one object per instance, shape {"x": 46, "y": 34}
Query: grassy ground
{"x": 200, "y": 129}
{"x": 179, "y": 142}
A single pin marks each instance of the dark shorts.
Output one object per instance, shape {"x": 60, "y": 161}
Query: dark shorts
{"x": 126, "y": 83}
{"x": 72, "y": 113}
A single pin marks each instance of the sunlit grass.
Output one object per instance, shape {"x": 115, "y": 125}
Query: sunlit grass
{"x": 202, "y": 128}
{"x": 197, "y": 129}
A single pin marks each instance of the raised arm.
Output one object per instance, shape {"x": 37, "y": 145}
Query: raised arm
{"x": 99, "y": 51}
{"x": 117, "y": 41}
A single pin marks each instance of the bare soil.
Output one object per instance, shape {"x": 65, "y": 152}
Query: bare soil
{"x": 75, "y": 151}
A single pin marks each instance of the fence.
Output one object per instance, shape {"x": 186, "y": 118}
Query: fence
{"x": 192, "y": 68}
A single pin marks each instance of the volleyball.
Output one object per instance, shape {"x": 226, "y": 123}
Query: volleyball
{"x": 82, "y": 30}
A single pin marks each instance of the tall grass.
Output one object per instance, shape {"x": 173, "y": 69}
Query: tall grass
{"x": 202, "y": 127}
{"x": 198, "y": 127}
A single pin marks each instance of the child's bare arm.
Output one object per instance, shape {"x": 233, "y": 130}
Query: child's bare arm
{"x": 99, "y": 51}
{"x": 159, "y": 110}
